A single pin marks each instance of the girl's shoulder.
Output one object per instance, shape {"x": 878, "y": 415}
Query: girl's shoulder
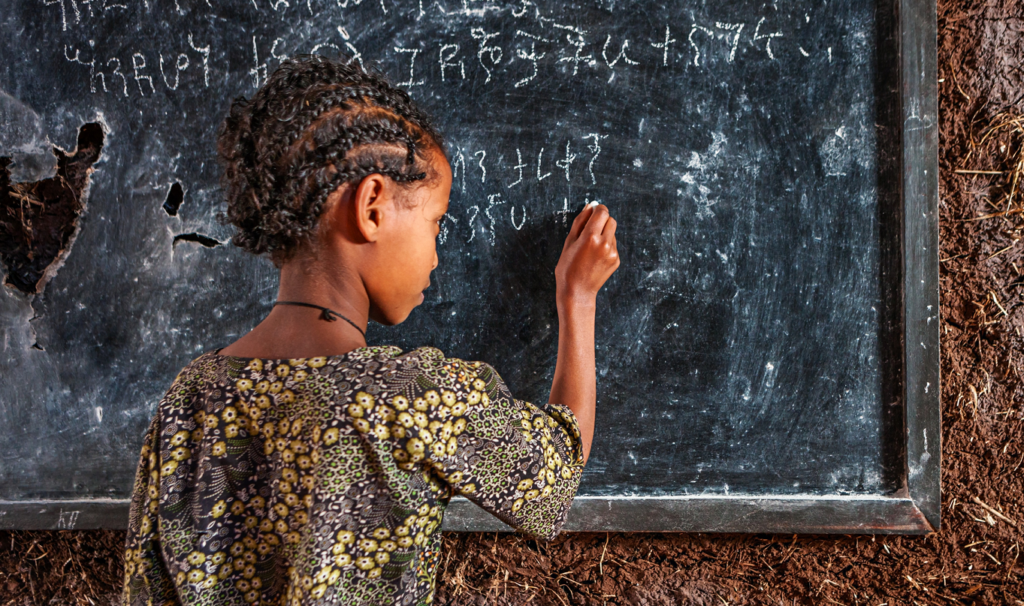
{"x": 426, "y": 354}
{"x": 213, "y": 362}
{"x": 199, "y": 375}
{"x": 433, "y": 359}
{"x": 212, "y": 376}
{"x": 428, "y": 368}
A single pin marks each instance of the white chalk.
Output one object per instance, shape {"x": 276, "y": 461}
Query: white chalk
{"x": 594, "y": 203}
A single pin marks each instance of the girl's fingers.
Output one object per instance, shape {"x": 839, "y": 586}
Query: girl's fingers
{"x": 609, "y": 227}
{"x": 580, "y": 222}
{"x": 597, "y": 221}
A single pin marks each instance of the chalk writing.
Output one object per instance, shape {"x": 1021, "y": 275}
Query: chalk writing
{"x": 518, "y": 215}
{"x": 622, "y": 53}
{"x": 532, "y": 56}
{"x": 567, "y": 162}
{"x": 766, "y": 37}
{"x": 181, "y": 63}
{"x": 697, "y": 28}
{"x": 564, "y": 212}
{"x": 205, "y": 52}
{"x": 446, "y": 61}
{"x": 622, "y": 56}
{"x": 88, "y": 5}
{"x": 492, "y": 201}
{"x": 493, "y": 53}
{"x": 578, "y": 43}
{"x": 483, "y": 171}
{"x": 595, "y": 148}
{"x": 316, "y": 49}
{"x": 117, "y": 72}
{"x": 518, "y": 13}
{"x": 107, "y": 5}
{"x": 731, "y": 33}
{"x": 92, "y": 69}
{"x": 725, "y": 31}
{"x": 63, "y": 12}
{"x": 139, "y": 68}
{"x": 259, "y": 72}
{"x": 136, "y": 66}
{"x": 459, "y": 168}
{"x": 513, "y": 218}
{"x": 273, "y": 50}
{"x": 540, "y": 156}
{"x": 155, "y": 69}
{"x": 412, "y": 66}
{"x": 443, "y": 235}
{"x": 548, "y": 44}
{"x": 66, "y": 520}
{"x": 665, "y": 46}
{"x": 738, "y": 28}
{"x": 519, "y": 167}
{"x": 355, "y": 56}
{"x": 472, "y": 232}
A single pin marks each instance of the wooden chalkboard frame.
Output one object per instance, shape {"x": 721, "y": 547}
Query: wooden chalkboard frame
{"x": 915, "y": 508}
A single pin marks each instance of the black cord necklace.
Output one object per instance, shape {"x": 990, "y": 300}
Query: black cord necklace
{"x": 325, "y": 314}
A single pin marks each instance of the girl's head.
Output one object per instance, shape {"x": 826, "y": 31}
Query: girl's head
{"x": 330, "y": 166}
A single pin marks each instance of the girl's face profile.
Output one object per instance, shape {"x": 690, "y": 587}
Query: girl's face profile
{"x": 408, "y": 247}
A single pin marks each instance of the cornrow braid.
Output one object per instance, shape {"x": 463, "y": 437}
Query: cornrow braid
{"x": 305, "y": 174}
{"x": 316, "y": 124}
{"x": 345, "y": 98}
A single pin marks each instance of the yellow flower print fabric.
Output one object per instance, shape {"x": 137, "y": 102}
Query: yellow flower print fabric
{"x": 324, "y": 480}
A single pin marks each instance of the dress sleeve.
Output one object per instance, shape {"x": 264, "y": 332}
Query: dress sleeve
{"x": 146, "y": 581}
{"x": 519, "y": 461}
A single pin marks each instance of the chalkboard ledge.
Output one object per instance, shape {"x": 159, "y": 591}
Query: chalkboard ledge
{"x": 840, "y": 514}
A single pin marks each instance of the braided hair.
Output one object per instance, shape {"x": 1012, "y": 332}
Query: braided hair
{"x": 315, "y": 125}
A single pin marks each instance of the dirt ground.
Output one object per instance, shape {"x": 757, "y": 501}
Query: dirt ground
{"x": 975, "y": 559}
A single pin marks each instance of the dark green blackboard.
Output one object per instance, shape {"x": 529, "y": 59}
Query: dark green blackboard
{"x": 767, "y": 353}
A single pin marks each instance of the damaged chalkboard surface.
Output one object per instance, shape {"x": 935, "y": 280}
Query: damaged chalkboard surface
{"x": 767, "y": 352}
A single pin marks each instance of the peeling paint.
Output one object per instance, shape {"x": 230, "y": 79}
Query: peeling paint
{"x": 198, "y": 238}
{"x": 175, "y": 197}
{"x": 39, "y": 220}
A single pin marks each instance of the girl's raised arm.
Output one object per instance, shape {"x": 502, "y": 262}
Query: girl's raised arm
{"x": 589, "y": 258}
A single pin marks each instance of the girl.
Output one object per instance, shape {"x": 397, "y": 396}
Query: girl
{"x": 299, "y": 465}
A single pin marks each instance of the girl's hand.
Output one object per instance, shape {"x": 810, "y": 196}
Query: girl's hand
{"x": 589, "y": 257}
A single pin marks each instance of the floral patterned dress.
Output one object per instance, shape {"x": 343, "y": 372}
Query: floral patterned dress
{"x": 324, "y": 480}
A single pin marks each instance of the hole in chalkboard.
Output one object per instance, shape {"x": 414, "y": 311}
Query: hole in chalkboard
{"x": 39, "y": 220}
{"x": 206, "y": 241}
{"x": 174, "y": 199}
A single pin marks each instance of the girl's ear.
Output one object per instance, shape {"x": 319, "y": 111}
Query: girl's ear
{"x": 369, "y": 205}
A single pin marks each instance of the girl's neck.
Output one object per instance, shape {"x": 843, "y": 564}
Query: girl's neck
{"x": 299, "y": 332}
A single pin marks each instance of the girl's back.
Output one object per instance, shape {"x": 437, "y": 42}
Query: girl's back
{"x": 292, "y": 481}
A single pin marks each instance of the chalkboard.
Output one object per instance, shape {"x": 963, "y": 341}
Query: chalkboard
{"x": 767, "y": 352}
